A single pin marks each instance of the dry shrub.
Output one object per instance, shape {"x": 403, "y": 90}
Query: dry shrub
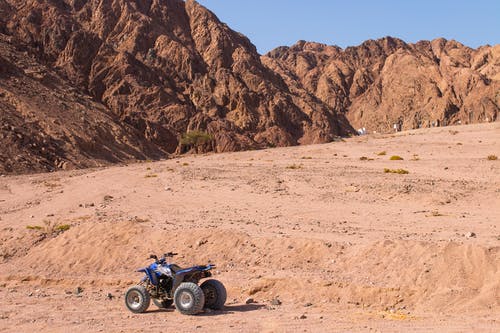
{"x": 397, "y": 171}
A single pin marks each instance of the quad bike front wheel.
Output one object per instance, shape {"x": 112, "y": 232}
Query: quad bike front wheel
{"x": 137, "y": 299}
{"x": 163, "y": 303}
{"x": 215, "y": 294}
{"x": 189, "y": 298}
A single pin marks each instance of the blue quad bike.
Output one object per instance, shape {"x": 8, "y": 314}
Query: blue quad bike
{"x": 168, "y": 283}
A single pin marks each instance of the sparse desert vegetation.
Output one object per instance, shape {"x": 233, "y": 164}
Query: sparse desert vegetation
{"x": 397, "y": 171}
{"x": 49, "y": 228}
{"x": 195, "y": 140}
{"x": 34, "y": 227}
{"x": 62, "y": 227}
{"x": 294, "y": 167}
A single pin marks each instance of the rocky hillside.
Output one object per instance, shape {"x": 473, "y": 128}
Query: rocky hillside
{"x": 385, "y": 82}
{"x": 46, "y": 123}
{"x": 90, "y": 82}
{"x": 159, "y": 68}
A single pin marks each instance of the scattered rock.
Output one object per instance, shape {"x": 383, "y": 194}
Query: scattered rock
{"x": 470, "y": 235}
{"x": 249, "y": 300}
{"x": 201, "y": 242}
{"x": 303, "y": 316}
{"x": 352, "y": 189}
{"x": 108, "y": 198}
{"x": 276, "y": 301}
{"x": 308, "y": 305}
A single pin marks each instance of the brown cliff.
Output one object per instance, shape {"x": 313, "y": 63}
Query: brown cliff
{"x": 166, "y": 67}
{"x": 89, "y": 82}
{"x": 384, "y": 82}
{"x": 46, "y": 124}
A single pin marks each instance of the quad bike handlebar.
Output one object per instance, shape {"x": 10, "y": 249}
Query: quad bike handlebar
{"x": 166, "y": 255}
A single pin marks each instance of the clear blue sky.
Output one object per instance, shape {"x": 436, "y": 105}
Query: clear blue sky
{"x": 272, "y": 23}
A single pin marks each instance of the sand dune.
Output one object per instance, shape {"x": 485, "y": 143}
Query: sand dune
{"x": 343, "y": 245}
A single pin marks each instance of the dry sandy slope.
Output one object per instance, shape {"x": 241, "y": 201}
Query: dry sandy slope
{"x": 310, "y": 224}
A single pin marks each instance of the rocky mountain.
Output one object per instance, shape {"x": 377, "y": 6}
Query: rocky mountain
{"x": 89, "y": 82}
{"x": 387, "y": 81}
{"x": 46, "y": 123}
{"x": 160, "y": 68}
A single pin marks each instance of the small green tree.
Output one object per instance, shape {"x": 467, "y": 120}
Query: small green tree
{"x": 195, "y": 139}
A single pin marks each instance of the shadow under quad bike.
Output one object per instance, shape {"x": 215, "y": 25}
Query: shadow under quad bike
{"x": 168, "y": 283}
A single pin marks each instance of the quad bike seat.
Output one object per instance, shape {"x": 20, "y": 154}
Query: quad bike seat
{"x": 177, "y": 269}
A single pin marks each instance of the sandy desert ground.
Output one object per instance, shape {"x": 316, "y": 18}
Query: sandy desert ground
{"x": 343, "y": 246}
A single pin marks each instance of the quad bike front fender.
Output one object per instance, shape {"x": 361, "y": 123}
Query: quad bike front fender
{"x": 149, "y": 275}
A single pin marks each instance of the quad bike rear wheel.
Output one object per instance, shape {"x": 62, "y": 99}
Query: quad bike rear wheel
{"x": 137, "y": 299}
{"x": 163, "y": 303}
{"x": 189, "y": 299}
{"x": 215, "y": 294}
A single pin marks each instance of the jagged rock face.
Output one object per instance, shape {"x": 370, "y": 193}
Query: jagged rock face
{"x": 165, "y": 67}
{"x": 46, "y": 124}
{"x": 384, "y": 82}
{"x": 87, "y": 82}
